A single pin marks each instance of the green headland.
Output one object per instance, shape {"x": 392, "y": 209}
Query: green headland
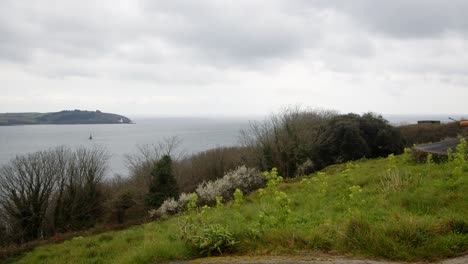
{"x": 62, "y": 117}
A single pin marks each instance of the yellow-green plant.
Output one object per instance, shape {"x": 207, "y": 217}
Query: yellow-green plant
{"x": 429, "y": 159}
{"x": 273, "y": 179}
{"x": 278, "y": 211}
{"x": 238, "y": 198}
{"x": 208, "y": 238}
{"x": 283, "y": 202}
{"x": 406, "y": 156}
{"x": 460, "y": 156}
{"x": 219, "y": 202}
{"x": 450, "y": 155}
{"x": 355, "y": 200}
{"x": 192, "y": 203}
{"x": 391, "y": 162}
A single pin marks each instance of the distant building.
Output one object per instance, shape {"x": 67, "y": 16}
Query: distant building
{"x": 429, "y": 122}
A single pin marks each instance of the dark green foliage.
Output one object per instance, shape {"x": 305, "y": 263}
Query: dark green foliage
{"x": 351, "y": 137}
{"x": 123, "y": 202}
{"x": 298, "y": 139}
{"x": 267, "y": 163}
{"x": 163, "y": 184}
{"x": 459, "y": 226}
{"x": 382, "y": 138}
{"x": 342, "y": 140}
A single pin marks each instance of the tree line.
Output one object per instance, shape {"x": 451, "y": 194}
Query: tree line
{"x": 50, "y": 191}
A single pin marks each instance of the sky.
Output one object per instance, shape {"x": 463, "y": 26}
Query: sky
{"x": 234, "y": 57}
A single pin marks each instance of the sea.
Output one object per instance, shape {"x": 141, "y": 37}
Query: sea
{"x": 120, "y": 140}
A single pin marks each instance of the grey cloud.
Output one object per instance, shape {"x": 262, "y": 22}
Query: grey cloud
{"x": 402, "y": 18}
{"x": 183, "y": 41}
{"x": 231, "y": 35}
{"x": 241, "y": 33}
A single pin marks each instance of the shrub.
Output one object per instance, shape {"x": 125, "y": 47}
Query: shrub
{"x": 243, "y": 178}
{"x": 208, "y": 191}
{"x": 207, "y": 165}
{"x": 124, "y": 201}
{"x": 213, "y": 192}
{"x": 351, "y": 137}
{"x": 285, "y": 140}
{"x": 163, "y": 184}
{"x": 169, "y": 206}
{"x": 208, "y": 238}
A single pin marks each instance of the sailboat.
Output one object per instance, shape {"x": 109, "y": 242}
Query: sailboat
{"x": 90, "y": 136}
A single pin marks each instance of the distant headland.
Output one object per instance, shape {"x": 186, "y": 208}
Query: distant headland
{"x": 62, "y": 117}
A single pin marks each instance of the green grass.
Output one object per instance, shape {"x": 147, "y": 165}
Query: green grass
{"x": 383, "y": 208}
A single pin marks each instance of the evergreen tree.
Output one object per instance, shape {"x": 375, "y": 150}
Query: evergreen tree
{"x": 163, "y": 184}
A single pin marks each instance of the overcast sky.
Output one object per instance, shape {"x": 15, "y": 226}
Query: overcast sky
{"x": 235, "y": 58}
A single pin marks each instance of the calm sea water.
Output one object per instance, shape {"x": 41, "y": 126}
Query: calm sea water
{"x": 196, "y": 134}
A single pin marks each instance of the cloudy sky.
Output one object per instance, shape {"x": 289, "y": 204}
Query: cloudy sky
{"x": 234, "y": 58}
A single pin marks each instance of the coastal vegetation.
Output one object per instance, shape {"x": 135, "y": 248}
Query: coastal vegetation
{"x": 392, "y": 208}
{"x": 62, "y": 117}
{"x": 340, "y": 182}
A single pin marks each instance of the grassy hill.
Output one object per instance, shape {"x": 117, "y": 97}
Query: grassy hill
{"x": 388, "y": 208}
{"x": 62, "y": 117}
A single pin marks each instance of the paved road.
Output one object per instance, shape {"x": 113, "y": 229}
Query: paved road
{"x": 307, "y": 260}
{"x": 439, "y": 147}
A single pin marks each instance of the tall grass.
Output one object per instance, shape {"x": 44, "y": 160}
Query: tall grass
{"x": 384, "y": 208}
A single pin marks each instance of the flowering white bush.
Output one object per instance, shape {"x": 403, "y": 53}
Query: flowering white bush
{"x": 184, "y": 198}
{"x": 208, "y": 191}
{"x": 245, "y": 179}
{"x": 242, "y": 178}
{"x": 169, "y": 206}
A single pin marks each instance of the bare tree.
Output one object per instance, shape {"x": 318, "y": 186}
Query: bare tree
{"x": 48, "y": 189}
{"x": 285, "y": 140}
{"x": 26, "y": 187}
{"x": 78, "y": 197}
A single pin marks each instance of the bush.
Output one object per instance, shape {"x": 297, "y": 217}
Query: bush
{"x": 163, "y": 185}
{"x": 123, "y": 203}
{"x": 208, "y": 238}
{"x": 351, "y": 137}
{"x": 207, "y": 165}
{"x": 285, "y": 140}
{"x": 169, "y": 207}
{"x": 243, "y": 178}
{"x": 208, "y": 193}
{"x": 300, "y": 141}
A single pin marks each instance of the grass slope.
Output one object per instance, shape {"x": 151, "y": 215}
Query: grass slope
{"x": 384, "y": 208}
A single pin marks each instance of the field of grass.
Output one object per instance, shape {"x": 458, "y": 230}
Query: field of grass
{"x": 388, "y": 208}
